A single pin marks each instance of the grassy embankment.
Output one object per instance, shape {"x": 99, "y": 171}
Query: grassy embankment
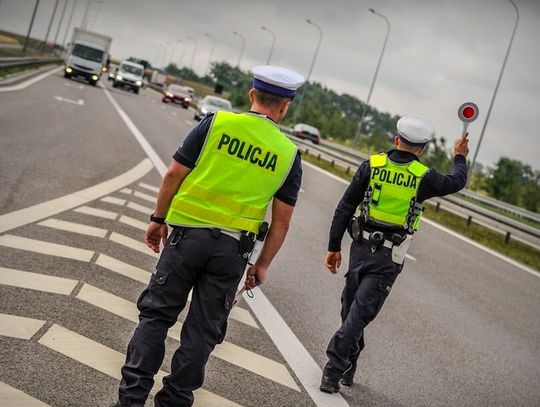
{"x": 487, "y": 237}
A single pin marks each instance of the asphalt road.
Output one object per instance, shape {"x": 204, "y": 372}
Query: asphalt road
{"x": 460, "y": 327}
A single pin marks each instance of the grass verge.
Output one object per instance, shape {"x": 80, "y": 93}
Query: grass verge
{"x": 487, "y": 237}
{"x": 20, "y": 68}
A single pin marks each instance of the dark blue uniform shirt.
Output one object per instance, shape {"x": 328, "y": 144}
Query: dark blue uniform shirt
{"x": 189, "y": 151}
{"x": 432, "y": 184}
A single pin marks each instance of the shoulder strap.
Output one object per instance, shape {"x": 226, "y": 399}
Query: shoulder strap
{"x": 378, "y": 160}
{"x": 417, "y": 169}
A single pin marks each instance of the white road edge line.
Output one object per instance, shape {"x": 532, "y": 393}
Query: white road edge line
{"x": 450, "y": 232}
{"x": 29, "y": 82}
{"x": 47, "y": 209}
{"x": 300, "y": 361}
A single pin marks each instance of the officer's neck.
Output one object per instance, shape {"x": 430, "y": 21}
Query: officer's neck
{"x": 272, "y": 114}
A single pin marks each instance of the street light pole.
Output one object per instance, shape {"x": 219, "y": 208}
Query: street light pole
{"x": 496, "y": 86}
{"x": 60, "y": 22}
{"x": 69, "y": 22}
{"x": 183, "y": 52}
{"x": 301, "y": 100}
{"x": 359, "y": 128}
{"x": 211, "y": 53}
{"x": 30, "y": 28}
{"x": 241, "y": 48}
{"x": 49, "y": 27}
{"x": 273, "y": 43}
{"x": 194, "y": 51}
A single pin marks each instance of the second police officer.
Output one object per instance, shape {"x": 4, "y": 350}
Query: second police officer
{"x": 215, "y": 194}
{"x": 387, "y": 195}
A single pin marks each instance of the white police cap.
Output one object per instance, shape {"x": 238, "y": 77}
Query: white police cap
{"x": 276, "y": 80}
{"x": 415, "y": 131}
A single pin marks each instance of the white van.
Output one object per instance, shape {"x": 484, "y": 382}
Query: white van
{"x": 130, "y": 75}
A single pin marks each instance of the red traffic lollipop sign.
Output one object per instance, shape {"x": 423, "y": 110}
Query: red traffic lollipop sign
{"x": 467, "y": 112}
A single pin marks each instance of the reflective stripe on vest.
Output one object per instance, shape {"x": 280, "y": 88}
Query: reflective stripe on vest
{"x": 393, "y": 186}
{"x": 243, "y": 163}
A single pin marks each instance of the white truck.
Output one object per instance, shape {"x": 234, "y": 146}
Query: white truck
{"x": 87, "y": 55}
{"x": 129, "y": 75}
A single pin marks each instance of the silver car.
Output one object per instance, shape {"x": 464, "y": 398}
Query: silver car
{"x": 210, "y": 104}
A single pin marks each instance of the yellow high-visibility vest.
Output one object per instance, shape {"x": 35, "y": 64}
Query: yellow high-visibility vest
{"x": 243, "y": 163}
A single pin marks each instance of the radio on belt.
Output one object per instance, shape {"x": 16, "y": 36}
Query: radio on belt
{"x": 259, "y": 242}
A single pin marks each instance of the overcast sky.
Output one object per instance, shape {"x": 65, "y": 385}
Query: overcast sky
{"x": 440, "y": 53}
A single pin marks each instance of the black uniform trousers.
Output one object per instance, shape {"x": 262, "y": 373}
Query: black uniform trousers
{"x": 209, "y": 262}
{"x": 368, "y": 283}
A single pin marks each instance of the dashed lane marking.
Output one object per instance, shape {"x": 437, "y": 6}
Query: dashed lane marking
{"x": 100, "y": 213}
{"x": 133, "y": 222}
{"x": 132, "y": 244}
{"x": 109, "y": 361}
{"x": 140, "y": 208}
{"x": 19, "y": 327}
{"x": 78, "y": 102}
{"x": 50, "y": 208}
{"x": 113, "y": 200}
{"x": 52, "y": 249}
{"x": 125, "y": 269}
{"x": 35, "y": 281}
{"x": 73, "y": 227}
{"x": 144, "y": 196}
{"x": 174, "y": 114}
{"x": 149, "y": 187}
{"x": 12, "y": 397}
{"x": 126, "y": 191}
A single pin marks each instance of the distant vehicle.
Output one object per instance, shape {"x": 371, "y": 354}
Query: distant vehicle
{"x": 112, "y": 72}
{"x": 129, "y": 75}
{"x": 211, "y": 104}
{"x": 178, "y": 94}
{"x": 305, "y": 131}
{"x": 87, "y": 55}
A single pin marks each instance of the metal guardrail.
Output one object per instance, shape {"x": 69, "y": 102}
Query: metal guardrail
{"x": 471, "y": 208}
{"x": 8, "y": 62}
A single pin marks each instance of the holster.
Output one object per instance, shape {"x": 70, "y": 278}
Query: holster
{"x": 355, "y": 228}
{"x": 247, "y": 241}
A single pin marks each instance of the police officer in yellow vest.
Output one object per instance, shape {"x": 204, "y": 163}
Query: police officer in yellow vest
{"x": 381, "y": 209}
{"x": 214, "y": 196}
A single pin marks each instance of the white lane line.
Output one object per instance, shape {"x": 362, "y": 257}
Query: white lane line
{"x": 132, "y": 244}
{"x": 47, "y": 209}
{"x": 149, "y": 187}
{"x": 174, "y": 114}
{"x": 163, "y": 107}
{"x": 29, "y": 82}
{"x": 74, "y": 86}
{"x": 52, "y": 249}
{"x": 479, "y": 246}
{"x": 35, "y": 281}
{"x": 100, "y": 213}
{"x": 137, "y": 274}
{"x": 299, "y": 359}
{"x": 125, "y": 269}
{"x": 450, "y": 232}
{"x": 12, "y": 397}
{"x": 133, "y": 222}
{"x": 408, "y": 256}
{"x": 287, "y": 334}
{"x": 146, "y": 197}
{"x": 113, "y": 200}
{"x": 226, "y": 351}
{"x": 78, "y": 102}
{"x": 109, "y": 361}
{"x": 140, "y": 208}
{"x": 302, "y": 191}
{"x": 126, "y": 191}
{"x": 73, "y": 227}
{"x": 19, "y": 327}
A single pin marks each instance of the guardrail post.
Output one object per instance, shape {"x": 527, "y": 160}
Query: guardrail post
{"x": 307, "y": 151}
{"x": 348, "y": 170}
{"x": 507, "y": 237}
{"x": 333, "y": 162}
{"x": 469, "y": 220}
{"x": 437, "y": 207}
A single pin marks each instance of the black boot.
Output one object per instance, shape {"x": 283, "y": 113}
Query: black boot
{"x": 329, "y": 385}
{"x": 347, "y": 379}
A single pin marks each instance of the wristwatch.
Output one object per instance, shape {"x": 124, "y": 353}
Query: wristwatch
{"x": 157, "y": 219}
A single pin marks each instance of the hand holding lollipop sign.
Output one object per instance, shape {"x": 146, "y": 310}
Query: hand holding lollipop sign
{"x": 467, "y": 112}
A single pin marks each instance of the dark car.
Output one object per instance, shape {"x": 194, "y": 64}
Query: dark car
{"x": 305, "y": 131}
{"x": 178, "y": 94}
